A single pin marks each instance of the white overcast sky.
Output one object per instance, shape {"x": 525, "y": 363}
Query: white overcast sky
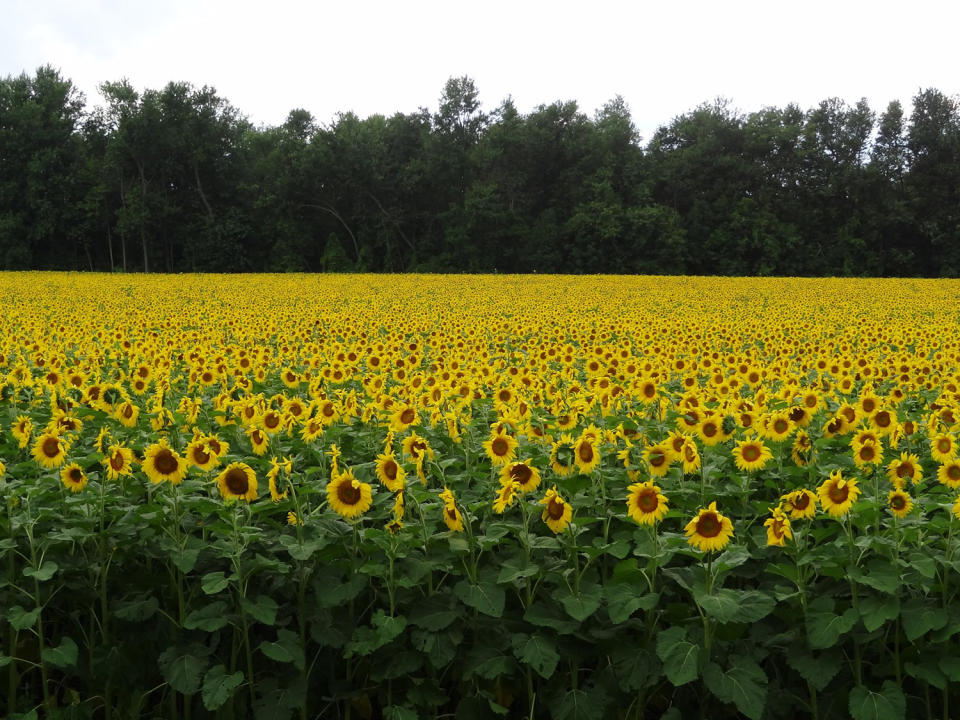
{"x": 663, "y": 57}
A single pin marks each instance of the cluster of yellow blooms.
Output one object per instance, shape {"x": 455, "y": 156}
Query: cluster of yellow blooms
{"x": 650, "y": 374}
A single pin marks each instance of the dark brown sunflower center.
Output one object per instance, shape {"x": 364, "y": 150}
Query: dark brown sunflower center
{"x": 898, "y": 502}
{"x": 882, "y": 419}
{"x": 347, "y": 493}
{"x": 257, "y": 437}
{"x": 390, "y": 469}
{"x": 50, "y": 447}
{"x": 780, "y": 426}
{"x": 76, "y": 475}
{"x": 834, "y": 425}
{"x": 647, "y": 501}
{"x": 555, "y": 508}
{"x": 708, "y": 525}
{"x": 116, "y": 462}
{"x": 521, "y": 473}
{"x": 657, "y": 458}
{"x": 944, "y": 445}
{"x": 200, "y": 456}
{"x": 417, "y": 448}
{"x": 751, "y": 453}
{"x": 797, "y": 414}
{"x": 649, "y": 390}
{"x": 585, "y": 452}
{"x": 953, "y": 472}
{"x": 905, "y": 469}
{"x": 868, "y": 405}
{"x": 499, "y": 446}
{"x": 165, "y": 462}
{"x": 709, "y": 429}
{"x": 407, "y": 416}
{"x": 837, "y": 494}
{"x": 801, "y": 501}
{"x": 866, "y": 452}
{"x": 128, "y": 411}
{"x": 271, "y": 420}
{"x": 236, "y": 481}
{"x": 452, "y": 513}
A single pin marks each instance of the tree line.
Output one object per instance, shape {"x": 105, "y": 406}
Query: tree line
{"x": 177, "y": 179}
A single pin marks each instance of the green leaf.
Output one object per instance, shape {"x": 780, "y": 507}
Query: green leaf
{"x": 5, "y": 660}
{"x": 214, "y": 582}
{"x": 919, "y": 617}
{"x": 818, "y": 670}
{"x": 21, "y": 619}
{"x": 137, "y": 610}
{"x": 679, "y": 656}
{"x": 487, "y": 662}
{"x": 950, "y": 666}
{"x": 745, "y": 606}
{"x": 218, "y": 686}
{"x": 263, "y": 609}
{"x": 576, "y": 705}
{"x": 875, "y": 611}
{"x": 387, "y": 628}
{"x": 824, "y": 628}
{"x": 286, "y": 649}
{"x": 585, "y": 603}
{"x": 62, "y": 656}
{"x": 538, "y": 652}
{"x": 182, "y": 669}
{"x": 486, "y": 597}
{"x": 883, "y": 576}
{"x": 46, "y": 571}
{"x": 334, "y": 592}
{"x": 888, "y": 704}
{"x": 434, "y": 613}
{"x": 396, "y": 712}
{"x": 623, "y": 600}
{"x": 186, "y": 559}
{"x": 209, "y": 618}
{"x": 744, "y": 684}
{"x": 543, "y": 615}
{"x": 927, "y": 671}
{"x": 516, "y": 569}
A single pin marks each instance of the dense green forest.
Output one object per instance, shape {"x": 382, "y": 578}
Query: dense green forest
{"x": 178, "y": 180}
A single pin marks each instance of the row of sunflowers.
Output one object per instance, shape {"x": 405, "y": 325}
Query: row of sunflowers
{"x": 420, "y": 496}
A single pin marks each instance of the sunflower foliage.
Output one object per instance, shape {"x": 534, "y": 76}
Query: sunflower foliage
{"x": 438, "y": 501}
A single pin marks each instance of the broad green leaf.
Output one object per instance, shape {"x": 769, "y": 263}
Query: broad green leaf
{"x": 286, "y": 649}
{"x": 888, "y": 704}
{"x": 387, "y": 628}
{"x": 818, "y": 670}
{"x": 209, "y": 618}
{"x": 214, "y": 582}
{"x": 539, "y": 652}
{"x": 950, "y": 666}
{"x": 218, "y": 686}
{"x": 623, "y": 600}
{"x": 585, "y": 603}
{"x": 5, "y": 660}
{"x": 487, "y": 662}
{"x": 577, "y": 705}
{"x": 882, "y": 576}
{"x": 928, "y": 671}
{"x": 434, "y": 613}
{"x": 263, "y": 609}
{"x": 679, "y": 657}
{"x": 744, "y": 684}
{"x": 137, "y": 610}
{"x": 825, "y": 628}
{"x": 515, "y": 569}
{"x": 875, "y": 611}
{"x": 542, "y": 615}
{"x": 46, "y": 571}
{"x": 182, "y": 669}
{"x": 62, "y": 656}
{"x": 186, "y": 559}
{"x": 486, "y": 597}
{"x": 21, "y": 619}
{"x": 918, "y": 617}
{"x": 396, "y": 712}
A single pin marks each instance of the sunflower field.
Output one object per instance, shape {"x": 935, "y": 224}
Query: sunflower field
{"x": 575, "y": 498}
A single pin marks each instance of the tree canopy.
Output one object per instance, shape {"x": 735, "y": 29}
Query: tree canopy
{"x": 177, "y": 179}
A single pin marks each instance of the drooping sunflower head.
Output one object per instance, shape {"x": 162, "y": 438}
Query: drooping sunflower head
{"x": 349, "y": 497}
{"x": 389, "y": 472}
{"x": 557, "y": 512}
{"x": 586, "y": 455}
{"x": 562, "y": 456}
{"x": 709, "y": 530}
{"x": 645, "y": 503}
{"x": 778, "y": 527}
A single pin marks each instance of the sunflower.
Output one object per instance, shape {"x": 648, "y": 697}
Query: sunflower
{"x": 658, "y": 459}
{"x": 949, "y": 473}
{"x": 272, "y": 474}
{"x": 802, "y": 446}
{"x": 709, "y": 530}
{"x": 645, "y": 503}
{"x": 451, "y": 513}
{"x": 710, "y": 430}
{"x": 259, "y": 440}
{"x": 403, "y": 417}
{"x": 778, "y": 527}
{"x": 294, "y": 519}
{"x": 867, "y": 453}
{"x": 394, "y": 526}
{"x": 778, "y": 426}
{"x": 73, "y": 478}
{"x": 389, "y": 472}
{"x": 557, "y": 512}
{"x": 312, "y": 429}
{"x": 500, "y": 448}
{"x": 417, "y": 448}
{"x": 907, "y": 467}
{"x": 899, "y": 503}
{"x": 3, "y": 470}
{"x": 118, "y": 462}
{"x": 801, "y": 503}
{"x": 127, "y": 413}
{"x": 562, "y": 456}
{"x": 884, "y": 421}
{"x": 690, "y": 456}
{"x": 586, "y": 455}
{"x": 523, "y": 473}
{"x": 837, "y": 494}
{"x": 348, "y": 496}
{"x": 199, "y": 455}
{"x": 237, "y": 481}
{"x": 751, "y": 454}
{"x": 22, "y": 430}
{"x": 943, "y": 447}
{"x": 836, "y": 425}
{"x": 956, "y": 507}
{"x": 50, "y": 450}
{"x": 162, "y": 463}
{"x": 399, "y": 506}
{"x": 505, "y": 496}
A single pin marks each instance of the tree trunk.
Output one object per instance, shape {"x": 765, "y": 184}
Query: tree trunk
{"x": 143, "y": 234}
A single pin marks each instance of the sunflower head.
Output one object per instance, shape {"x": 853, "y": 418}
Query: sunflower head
{"x": 557, "y": 512}
{"x": 778, "y": 527}
{"x": 838, "y": 494}
{"x": 349, "y": 497}
{"x": 73, "y": 477}
{"x": 709, "y": 530}
{"x": 899, "y": 503}
{"x": 238, "y": 481}
{"x": 645, "y": 503}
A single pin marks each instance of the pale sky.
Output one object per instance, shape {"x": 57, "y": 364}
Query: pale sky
{"x": 663, "y": 57}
